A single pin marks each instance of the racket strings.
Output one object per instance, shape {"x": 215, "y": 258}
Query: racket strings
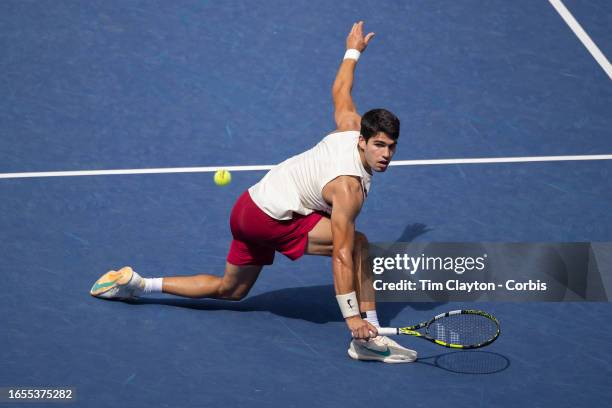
{"x": 464, "y": 329}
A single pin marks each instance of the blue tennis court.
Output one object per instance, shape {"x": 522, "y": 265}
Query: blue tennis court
{"x": 104, "y": 85}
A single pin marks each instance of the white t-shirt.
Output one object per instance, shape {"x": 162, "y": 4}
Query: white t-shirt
{"x": 296, "y": 185}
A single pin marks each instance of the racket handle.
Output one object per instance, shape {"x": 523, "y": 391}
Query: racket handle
{"x": 387, "y": 331}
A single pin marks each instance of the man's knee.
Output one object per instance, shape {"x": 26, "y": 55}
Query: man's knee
{"x": 237, "y": 281}
{"x": 235, "y": 294}
{"x": 229, "y": 291}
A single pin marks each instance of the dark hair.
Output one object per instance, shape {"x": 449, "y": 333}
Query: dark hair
{"x": 379, "y": 120}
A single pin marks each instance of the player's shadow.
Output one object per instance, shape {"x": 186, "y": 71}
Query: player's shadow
{"x": 316, "y": 304}
{"x": 313, "y": 303}
{"x": 391, "y": 309}
{"x": 468, "y": 362}
{"x": 412, "y": 231}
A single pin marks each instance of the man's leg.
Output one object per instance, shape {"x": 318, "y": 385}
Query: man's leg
{"x": 127, "y": 284}
{"x": 233, "y": 285}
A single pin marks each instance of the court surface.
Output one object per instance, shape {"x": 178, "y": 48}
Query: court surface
{"x": 105, "y": 85}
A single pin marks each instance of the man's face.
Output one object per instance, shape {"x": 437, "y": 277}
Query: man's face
{"x": 378, "y": 151}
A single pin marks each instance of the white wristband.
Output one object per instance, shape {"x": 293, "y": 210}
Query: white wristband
{"x": 352, "y": 54}
{"x": 348, "y": 304}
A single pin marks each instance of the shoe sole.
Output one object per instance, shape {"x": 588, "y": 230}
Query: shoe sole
{"x": 111, "y": 280}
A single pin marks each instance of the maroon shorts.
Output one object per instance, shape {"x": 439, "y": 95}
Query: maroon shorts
{"x": 257, "y": 235}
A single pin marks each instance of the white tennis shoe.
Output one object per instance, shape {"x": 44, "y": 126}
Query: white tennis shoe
{"x": 381, "y": 348}
{"x": 124, "y": 284}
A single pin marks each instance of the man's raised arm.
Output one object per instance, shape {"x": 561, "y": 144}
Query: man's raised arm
{"x": 345, "y": 113}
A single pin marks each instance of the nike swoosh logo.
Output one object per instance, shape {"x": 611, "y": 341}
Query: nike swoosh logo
{"x": 385, "y": 353}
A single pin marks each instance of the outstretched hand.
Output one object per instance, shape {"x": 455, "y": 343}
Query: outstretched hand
{"x": 356, "y": 40}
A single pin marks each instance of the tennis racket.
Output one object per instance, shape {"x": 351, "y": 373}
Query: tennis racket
{"x": 459, "y": 329}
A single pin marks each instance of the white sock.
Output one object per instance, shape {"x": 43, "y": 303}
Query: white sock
{"x": 372, "y": 318}
{"x": 153, "y": 285}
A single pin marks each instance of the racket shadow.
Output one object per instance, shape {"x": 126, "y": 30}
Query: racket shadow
{"x": 468, "y": 362}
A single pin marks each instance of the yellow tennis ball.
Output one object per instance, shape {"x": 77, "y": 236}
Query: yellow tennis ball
{"x": 223, "y": 177}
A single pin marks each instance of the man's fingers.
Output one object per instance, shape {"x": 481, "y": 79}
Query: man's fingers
{"x": 372, "y": 331}
{"x": 362, "y": 333}
{"x": 369, "y": 37}
{"x": 365, "y": 333}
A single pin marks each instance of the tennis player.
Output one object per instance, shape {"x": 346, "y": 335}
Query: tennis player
{"x": 305, "y": 205}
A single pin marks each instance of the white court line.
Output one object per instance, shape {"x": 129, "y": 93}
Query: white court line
{"x": 503, "y": 160}
{"x": 582, "y": 36}
{"x": 210, "y": 169}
